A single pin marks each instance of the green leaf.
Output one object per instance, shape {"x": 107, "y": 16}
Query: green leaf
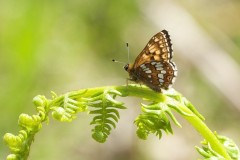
{"x": 208, "y": 152}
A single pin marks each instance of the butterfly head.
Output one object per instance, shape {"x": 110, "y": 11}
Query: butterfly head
{"x": 128, "y": 67}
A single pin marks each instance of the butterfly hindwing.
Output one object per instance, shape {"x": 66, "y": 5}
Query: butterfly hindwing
{"x": 157, "y": 74}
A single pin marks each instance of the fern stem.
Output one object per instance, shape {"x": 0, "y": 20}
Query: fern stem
{"x": 202, "y": 128}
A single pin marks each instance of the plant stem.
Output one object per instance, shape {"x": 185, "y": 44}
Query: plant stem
{"x": 202, "y": 128}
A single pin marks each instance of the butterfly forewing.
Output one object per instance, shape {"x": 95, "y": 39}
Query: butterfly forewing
{"x": 154, "y": 66}
{"x": 159, "y": 48}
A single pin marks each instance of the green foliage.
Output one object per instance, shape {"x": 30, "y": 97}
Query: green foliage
{"x": 157, "y": 115}
{"x": 67, "y": 106}
{"x": 102, "y": 104}
{"x": 154, "y": 119}
{"x": 208, "y": 152}
{"x": 106, "y": 114}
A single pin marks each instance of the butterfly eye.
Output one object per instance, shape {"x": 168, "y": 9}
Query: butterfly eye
{"x": 126, "y": 67}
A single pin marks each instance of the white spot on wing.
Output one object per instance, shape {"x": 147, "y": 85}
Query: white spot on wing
{"x": 163, "y": 72}
{"x": 148, "y": 71}
{"x": 158, "y": 65}
{"x": 159, "y": 68}
{"x": 143, "y": 66}
{"x": 153, "y": 63}
{"x": 145, "y": 69}
{"x": 175, "y": 73}
{"x": 173, "y": 80}
{"x": 160, "y": 76}
{"x": 161, "y": 80}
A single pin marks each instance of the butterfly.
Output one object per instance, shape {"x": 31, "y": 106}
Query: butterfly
{"x": 154, "y": 66}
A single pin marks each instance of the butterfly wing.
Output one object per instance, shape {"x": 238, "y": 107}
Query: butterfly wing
{"x": 159, "y": 48}
{"x": 157, "y": 74}
{"x": 154, "y": 66}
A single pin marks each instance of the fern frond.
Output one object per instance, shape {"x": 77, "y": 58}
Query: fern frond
{"x": 106, "y": 113}
{"x": 65, "y": 108}
{"x": 154, "y": 119}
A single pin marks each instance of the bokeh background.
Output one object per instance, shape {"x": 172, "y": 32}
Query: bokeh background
{"x": 68, "y": 45}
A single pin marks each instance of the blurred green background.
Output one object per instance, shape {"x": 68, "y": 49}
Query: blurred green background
{"x": 68, "y": 45}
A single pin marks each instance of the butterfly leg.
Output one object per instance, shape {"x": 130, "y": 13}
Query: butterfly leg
{"x": 128, "y": 79}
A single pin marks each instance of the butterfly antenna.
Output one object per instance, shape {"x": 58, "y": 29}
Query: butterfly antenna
{"x": 128, "y": 56}
{"x": 128, "y": 52}
{"x": 117, "y": 61}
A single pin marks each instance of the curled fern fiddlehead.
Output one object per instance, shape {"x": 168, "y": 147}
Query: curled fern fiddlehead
{"x": 154, "y": 119}
{"x": 67, "y": 106}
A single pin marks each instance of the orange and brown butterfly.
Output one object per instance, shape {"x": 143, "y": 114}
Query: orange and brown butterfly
{"x": 154, "y": 66}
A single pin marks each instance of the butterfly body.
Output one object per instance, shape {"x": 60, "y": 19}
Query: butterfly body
{"x": 153, "y": 66}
